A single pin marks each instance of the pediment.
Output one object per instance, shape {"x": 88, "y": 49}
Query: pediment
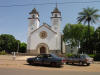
{"x": 46, "y": 26}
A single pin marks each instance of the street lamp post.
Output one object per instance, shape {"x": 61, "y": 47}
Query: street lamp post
{"x": 18, "y": 47}
{"x": 14, "y": 55}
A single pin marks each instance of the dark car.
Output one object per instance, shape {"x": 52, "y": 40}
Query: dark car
{"x": 46, "y": 59}
{"x": 81, "y": 59}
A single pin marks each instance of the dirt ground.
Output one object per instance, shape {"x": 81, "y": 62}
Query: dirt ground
{"x": 7, "y": 62}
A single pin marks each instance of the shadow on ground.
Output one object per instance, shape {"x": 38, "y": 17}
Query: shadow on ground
{"x": 77, "y": 65}
{"x": 45, "y": 66}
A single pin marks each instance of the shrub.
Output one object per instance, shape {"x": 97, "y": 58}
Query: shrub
{"x": 97, "y": 57}
{"x": 3, "y": 52}
{"x": 69, "y": 55}
{"x": 92, "y": 55}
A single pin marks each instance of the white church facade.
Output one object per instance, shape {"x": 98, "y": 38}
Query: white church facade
{"x": 45, "y": 38}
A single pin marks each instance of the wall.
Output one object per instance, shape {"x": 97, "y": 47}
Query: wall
{"x": 52, "y": 40}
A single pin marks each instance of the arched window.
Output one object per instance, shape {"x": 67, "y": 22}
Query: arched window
{"x": 33, "y": 16}
{"x": 55, "y": 15}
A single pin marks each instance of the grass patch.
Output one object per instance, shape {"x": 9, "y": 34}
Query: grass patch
{"x": 92, "y": 55}
{"x": 3, "y": 52}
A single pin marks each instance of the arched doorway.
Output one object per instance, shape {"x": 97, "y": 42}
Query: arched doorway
{"x": 42, "y": 50}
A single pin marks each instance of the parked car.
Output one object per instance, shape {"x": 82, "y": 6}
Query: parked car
{"x": 81, "y": 59}
{"x": 46, "y": 59}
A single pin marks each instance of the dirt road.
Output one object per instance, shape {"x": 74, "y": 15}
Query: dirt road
{"x": 7, "y": 62}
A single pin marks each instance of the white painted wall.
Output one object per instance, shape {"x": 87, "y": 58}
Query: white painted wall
{"x": 51, "y": 40}
{"x": 34, "y": 22}
{"x": 55, "y": 25}
{"x": 56, "y": 22}
{"x": 33, "y": 25}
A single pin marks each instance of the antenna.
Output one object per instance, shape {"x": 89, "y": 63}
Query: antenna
{"x": 56, "y": 4}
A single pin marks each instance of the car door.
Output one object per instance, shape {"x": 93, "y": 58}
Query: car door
{"x": 47, "y": 59}
{"x": 77, "y": 59}
{"x": 38, "y": 60}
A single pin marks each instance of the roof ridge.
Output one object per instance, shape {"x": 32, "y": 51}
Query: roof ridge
{"x": 46, "y": 25}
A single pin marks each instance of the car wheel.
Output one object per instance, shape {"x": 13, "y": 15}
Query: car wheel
{"x": 66, "y": 62}
{"x": 72, "y": 63}
{"x": 30, "y": 63}
{"x": 80, "y": 63}
{"x": 53, "y": 64}
{"x": 88, "y": 64}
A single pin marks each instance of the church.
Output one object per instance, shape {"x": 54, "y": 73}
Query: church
{"x": 45, "y": 38}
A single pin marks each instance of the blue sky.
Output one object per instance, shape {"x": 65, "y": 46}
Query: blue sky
{"x": 14, "y": 20}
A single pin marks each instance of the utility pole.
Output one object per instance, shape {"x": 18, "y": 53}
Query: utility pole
{"x": 18, "y": 47}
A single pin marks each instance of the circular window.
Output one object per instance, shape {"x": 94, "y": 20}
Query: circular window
{"x": 43, "y": 34}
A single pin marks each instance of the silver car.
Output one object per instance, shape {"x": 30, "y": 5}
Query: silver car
{"x": 81, "y": 59}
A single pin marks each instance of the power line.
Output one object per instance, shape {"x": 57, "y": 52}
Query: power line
{"x": 15, "y": 5}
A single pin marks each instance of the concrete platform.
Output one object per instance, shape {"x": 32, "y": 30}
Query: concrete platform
{"x": 10, "y": 57}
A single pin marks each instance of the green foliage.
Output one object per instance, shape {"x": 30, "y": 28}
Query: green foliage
{"x": 84, "y": 36}
{"x": 88, "y": 15}
{"x": 69, "y": 55}
{"x": 93, "y": 45}
{"x": 10, "y": 44}
{"x": 76, "y": 33}
{"x": 97, "y": 57}
{"x": 22, "y": 47}
{"x": 73, "y": 33}
{"x": 97, "y": 40}
{"x": 92, "y": 55}
{"x": 3, "y": 52}
{"x": 7, "y": 42}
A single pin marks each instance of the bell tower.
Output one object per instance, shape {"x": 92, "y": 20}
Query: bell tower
{"x": 55, "y": 24}
{"x": 33, "y": 24}
{"x": 56, "y": 19}
{"x": 34, "y": 19}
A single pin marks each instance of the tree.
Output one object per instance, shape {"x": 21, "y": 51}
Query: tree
{"x": 73, "y": 34}
{"x": 76, "y": 34}
{"x": 22, "y": 48}
{"x": 89, "y": 16}
{"x": 8, "y": 43}
{"x": 98, "y": 33}
{"x": 97, "y": 40}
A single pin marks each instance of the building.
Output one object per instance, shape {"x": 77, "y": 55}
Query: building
{"x": 45, "y": 38}
{"x": 71, "y": 50}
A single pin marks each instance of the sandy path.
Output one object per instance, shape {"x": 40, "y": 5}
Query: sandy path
{"x": 23, "y": 65}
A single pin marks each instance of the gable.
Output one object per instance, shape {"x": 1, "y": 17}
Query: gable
{"x": 44, "y": 26}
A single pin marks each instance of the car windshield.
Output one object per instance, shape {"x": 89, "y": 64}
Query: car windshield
{"x": 40, "y": 56}
{"x": 53, "y": 55}
{"x": 85, "y": 56}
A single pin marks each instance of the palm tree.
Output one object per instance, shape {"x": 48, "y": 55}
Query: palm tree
{"x": 88, "y": 16}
